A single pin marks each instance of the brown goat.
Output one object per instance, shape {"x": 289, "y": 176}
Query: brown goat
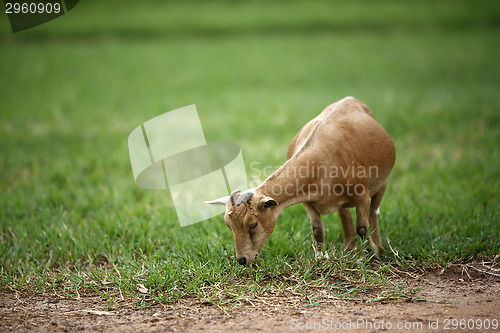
{"x": 339, "y": 160}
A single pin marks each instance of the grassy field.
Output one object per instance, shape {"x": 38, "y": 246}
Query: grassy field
{"x": 73, "y": 222}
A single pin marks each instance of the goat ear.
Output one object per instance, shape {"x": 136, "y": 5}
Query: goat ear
{"x": 227, "y": 201}
{"x": 220, "y": 201}
{"x": 267, "y": 202}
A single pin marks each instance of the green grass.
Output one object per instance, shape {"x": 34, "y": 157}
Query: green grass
{"x": 73, "y": 221}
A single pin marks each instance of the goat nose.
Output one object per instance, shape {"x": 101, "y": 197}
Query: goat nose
{"x": 242, "y": 260}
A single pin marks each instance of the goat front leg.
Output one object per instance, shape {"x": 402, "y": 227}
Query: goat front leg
{"x": 348, "y": 228}
{"x": 318, "y": 229}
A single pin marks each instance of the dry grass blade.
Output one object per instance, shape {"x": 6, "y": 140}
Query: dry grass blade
{"x": 96, "y": 312}
{"x": 482, "y": 271}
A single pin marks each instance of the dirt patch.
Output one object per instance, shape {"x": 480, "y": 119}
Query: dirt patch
{"x": 458, "y": 298}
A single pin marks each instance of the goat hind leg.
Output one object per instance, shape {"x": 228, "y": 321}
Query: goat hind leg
{"x": 362, "y": 214}
{"x": 375, "y": 242}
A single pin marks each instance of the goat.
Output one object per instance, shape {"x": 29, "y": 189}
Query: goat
{"x": 339, "y": 160}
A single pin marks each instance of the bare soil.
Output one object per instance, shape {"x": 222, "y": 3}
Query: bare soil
{"x": 462, "y": 296}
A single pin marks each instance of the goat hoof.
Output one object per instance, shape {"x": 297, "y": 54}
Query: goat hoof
{"x": 321, "y": 255}
{"x": 361, "y": 231}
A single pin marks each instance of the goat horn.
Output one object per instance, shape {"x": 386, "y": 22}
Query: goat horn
{"x": 233, "y": 194}
{"x": 244, "y": 197}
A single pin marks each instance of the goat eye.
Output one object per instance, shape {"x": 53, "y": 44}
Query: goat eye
{"x": 253, "y": 225}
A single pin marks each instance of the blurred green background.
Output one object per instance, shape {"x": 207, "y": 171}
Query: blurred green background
{"x": 73, "y": 89}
